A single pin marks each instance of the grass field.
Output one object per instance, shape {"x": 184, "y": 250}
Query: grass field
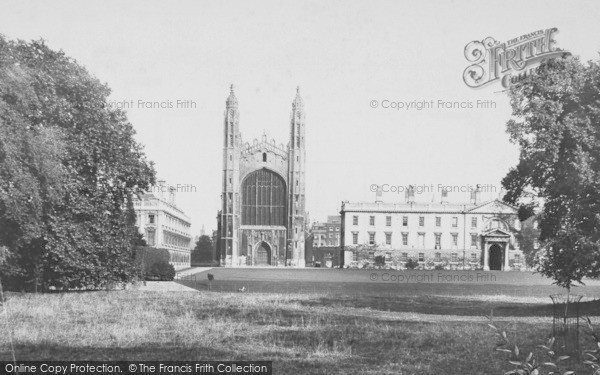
{"x": 368, "y": 331}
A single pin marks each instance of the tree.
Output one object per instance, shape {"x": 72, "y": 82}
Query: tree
{"x": 556, "y": 126}
{"x": 203, "y": 252}
{"x": 69, "y": 167}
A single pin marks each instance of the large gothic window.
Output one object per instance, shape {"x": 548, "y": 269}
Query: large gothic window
{"x": 263, "y": 199}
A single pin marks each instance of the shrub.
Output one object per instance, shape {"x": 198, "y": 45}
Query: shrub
{"x": 440, "y": 267}
{"x": 146, "y": 257}
{"x": 162, "y": 270}
{"x": 379, "y": 261}
{"x": 411, "y": 264}
{"x": 532, "y": 364}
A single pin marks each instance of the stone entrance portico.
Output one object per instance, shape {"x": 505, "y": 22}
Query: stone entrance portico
{"x": 495, "y": 250}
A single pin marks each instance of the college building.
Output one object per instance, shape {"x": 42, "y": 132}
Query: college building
{"x": 323, "y": 243}
{"x": 163, "y": 224}
{"x": 262, "y": 219}
{"x": 473, "y": 235}
{"x": 327, "y": 234}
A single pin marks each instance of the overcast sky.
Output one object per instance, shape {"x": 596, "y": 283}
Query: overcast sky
{"x": 343, "y": 55}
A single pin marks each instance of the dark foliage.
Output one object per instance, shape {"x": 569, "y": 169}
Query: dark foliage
{"x": 69, "y": 167}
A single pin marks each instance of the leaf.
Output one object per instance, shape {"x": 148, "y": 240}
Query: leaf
{"x": 516, "y": 350}
{"x": 563, "y": 357}
{"x": 551, "y": 364}
{"x": 529, "y": 357}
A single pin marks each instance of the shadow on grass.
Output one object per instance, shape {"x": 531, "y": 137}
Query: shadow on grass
{"x": 448, "y": 306}
{"x": 147, "y": 352}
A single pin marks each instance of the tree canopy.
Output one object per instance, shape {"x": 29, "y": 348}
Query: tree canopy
{"x": 556, "y": 124}
{"x": 203, "y": 253}
{"x": 69, "y": 167}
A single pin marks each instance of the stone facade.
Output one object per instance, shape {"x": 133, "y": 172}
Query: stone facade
{"x": 163, "y": 224}
{"x": 447, "y": 235}
{"x": 262, "y": 216}
{"x": 327, "y": 234}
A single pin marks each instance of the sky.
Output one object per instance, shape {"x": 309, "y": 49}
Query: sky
{"x": 350, "y": 58}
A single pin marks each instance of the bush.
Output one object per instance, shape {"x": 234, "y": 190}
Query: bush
{"x": 411, "y": 264}
{"x": 162, "y": 271}
{"x": 439, "y": 267}
{"x": 379, "y": 261}
{"x": 146, "y": 257}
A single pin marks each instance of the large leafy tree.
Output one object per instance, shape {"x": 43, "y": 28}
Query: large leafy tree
{"x": 556, "y": 123}
{"x": 202, "y": 253}
{"x": 69, "y": 166}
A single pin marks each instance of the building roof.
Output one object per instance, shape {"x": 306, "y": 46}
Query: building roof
{"x": 492, "y": 206}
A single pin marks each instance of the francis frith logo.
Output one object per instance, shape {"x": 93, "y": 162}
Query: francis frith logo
{"x": 508, "y": 62}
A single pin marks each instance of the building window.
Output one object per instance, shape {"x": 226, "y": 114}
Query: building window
{"x": 264, "y": 156}
{"x": 454, "y": 222}
{"x": 371, "y": 220}
{"x": 151, "y": 219}
{"x": 473, "y": 222}
{"x": 421, "y": 221}
{"x": 438, "y": 240}
{"x": 388, "y": 221}
{"x": 421, "y": 240}
{"x": 355, "y": 220}
{"x": 454, "y": 257}
{"x": 388, "y": 257}
{"x": 388, "y": 238}
{"x": 264, "y": 199}
{"x": 454, "y": 239}
{"x": 354, "y": 238}
{"x": 371, "y": 238}
{"x": 404, "y": 221}
{"x": 474, "y": 240}
{"x": 404, "y": 257}
{"x": 474, "y": 257}
{"x": 438, "y": 221}
{"x": 405, "y": 239}
{"x": 438, "y": 257}
{"x": 517, "y": 258}
{"x": 421, "y": 257}
{"x": 354, "y": 256}
{"x": 371, "y": 255}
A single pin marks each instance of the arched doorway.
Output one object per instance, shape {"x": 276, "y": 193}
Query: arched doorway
{"x": 495, "y": 257}
{"x": 263, "y": 255}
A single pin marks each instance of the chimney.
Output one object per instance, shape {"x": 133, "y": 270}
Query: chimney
{"x": 379, "y": 196}
{"x": 475, "y": 195}
{"x": 410, "y": 194}
{"x": 444, "y": 196}
{"x": 161, "y": 188}
{"x": 172, "y": 195}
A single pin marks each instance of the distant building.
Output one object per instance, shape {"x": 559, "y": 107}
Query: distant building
{"x": 471, "y": 235}
{"x": 329, "y": 257}
{"x": 322, "y": 244}
{"x": 163, "y": 224}
{"x": 327, "y": 234}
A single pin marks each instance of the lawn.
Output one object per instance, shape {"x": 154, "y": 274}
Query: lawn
{"x": 327, "y": 332}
